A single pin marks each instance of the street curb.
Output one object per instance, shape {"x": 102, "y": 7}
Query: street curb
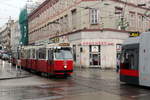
{"x": 14, "y": 77}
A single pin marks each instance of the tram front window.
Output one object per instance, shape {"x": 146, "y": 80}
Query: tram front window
{"x": 63, "y": 54}
{"x": 129, "y": 59}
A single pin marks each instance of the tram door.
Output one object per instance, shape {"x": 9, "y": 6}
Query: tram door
{"x": 50, "y": 59}
{"x": 130, "y": 57}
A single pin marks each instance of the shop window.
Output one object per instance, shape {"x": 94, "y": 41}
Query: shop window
{"x": 94, "y": 57}
{"x": 118, "y": 49}
{"x": 94, "y": 48}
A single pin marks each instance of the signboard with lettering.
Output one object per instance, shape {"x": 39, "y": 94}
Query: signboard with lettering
{"x": 134, "y": 34}
{"x": 95, "y": 49}
{"x": 54, "y": 40}
{"x": 118, "y": 47}
{"x": 97, "y": 43}
{"x": 64, "y": 44}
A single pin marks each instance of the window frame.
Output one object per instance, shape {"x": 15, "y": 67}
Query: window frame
{"x": 94, "y": 16}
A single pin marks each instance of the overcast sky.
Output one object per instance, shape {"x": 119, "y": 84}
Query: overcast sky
{"x": 10, "y": 8}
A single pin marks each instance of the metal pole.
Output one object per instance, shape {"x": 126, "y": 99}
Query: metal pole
{"x": 122, "y": 16}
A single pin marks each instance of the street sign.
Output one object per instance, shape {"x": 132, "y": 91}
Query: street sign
{"x": 134, "y": 34}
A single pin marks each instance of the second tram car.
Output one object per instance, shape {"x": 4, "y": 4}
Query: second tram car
{"x": 53, "y": 59}
{"x": 135, "y": 60}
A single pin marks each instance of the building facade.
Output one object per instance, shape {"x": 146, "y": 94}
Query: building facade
{"x": 5, "y": 35}
{"x": 95, "y": 28}
{"x": 15, "y": 36}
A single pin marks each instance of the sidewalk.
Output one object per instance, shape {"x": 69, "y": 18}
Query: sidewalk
{"x": 7, "y": 71}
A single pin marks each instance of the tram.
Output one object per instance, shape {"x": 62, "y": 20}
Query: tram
{"x": 53, "y": 59}
{"x": 135, "y": 60}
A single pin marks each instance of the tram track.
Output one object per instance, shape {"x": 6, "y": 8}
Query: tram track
{"x": 111, "y": 86}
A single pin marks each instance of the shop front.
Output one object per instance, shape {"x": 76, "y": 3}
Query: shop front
{"x": 95, "y": 49}
{"x": 97, "y": 53}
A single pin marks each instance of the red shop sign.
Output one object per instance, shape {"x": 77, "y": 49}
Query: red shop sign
{"x": 97, "y": 43}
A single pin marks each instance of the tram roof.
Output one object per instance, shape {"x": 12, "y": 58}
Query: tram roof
{"x": 47, "y": 46}
{"x": 58, "y": 45}
{"x": 32, "y": 47}
{"x": 132, "y": 40}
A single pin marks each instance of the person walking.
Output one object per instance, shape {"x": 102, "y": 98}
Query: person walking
{"x": 118, "y": 65}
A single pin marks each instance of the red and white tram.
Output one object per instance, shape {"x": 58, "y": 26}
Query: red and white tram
{"x": 54, "y": 59}
{"x": 135, "y": 60}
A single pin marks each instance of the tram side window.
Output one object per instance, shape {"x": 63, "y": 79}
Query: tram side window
{"x": 36, "y": 54}
{"x": 22, "y": 53}
{"x": 42, "y": 53}
{"x": 28, "y": 53}
{"x": 130, "y": 59}
{"x": 33, "y": 53}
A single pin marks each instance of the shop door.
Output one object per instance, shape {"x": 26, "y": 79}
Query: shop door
{"x": 95, "y": 59}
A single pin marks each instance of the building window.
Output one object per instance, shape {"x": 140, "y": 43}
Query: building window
{"x": 140, "y": 21}
{"x": 132, "y": 19}
{"x": 74, "y": 18}
{"x": 66, "y": 21}
{"x": 118, "y": 11}
{"x": 94, "y": 16}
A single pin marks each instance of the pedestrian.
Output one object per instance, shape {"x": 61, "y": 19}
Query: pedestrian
{"x": 118, "y": 65}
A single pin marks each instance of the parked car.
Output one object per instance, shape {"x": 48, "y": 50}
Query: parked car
{"x": 5, "y": 56}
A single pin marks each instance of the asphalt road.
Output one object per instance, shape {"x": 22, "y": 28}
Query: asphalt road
{"x": 84, "y": 84}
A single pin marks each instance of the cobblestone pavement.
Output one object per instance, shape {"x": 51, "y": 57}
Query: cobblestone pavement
{"x": 84, "y": 84}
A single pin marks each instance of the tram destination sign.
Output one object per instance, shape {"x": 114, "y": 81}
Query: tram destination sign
{"x": 64, "y": 44}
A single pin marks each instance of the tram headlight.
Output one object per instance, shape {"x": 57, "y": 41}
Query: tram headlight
{"x": 65, "y": 66}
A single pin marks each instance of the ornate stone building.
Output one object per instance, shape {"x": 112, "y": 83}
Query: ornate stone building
{"x": 5, "y": 35}
{"x": 95, "y": 28}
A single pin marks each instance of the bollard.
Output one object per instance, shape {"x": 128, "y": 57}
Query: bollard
{"x": 10, "y": 65}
